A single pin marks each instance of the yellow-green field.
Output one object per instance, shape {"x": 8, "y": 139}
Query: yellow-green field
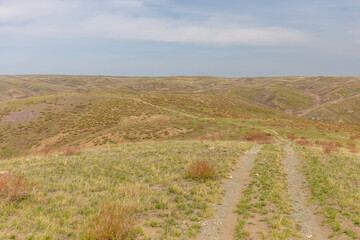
{"x": 151, "y": 177}
{"x": 96, "y": 157}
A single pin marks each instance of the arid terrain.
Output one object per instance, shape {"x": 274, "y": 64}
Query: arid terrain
{"x": 100, "y": 157}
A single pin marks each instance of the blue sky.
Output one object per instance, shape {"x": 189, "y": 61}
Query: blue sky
{"x": 230, "y": 38}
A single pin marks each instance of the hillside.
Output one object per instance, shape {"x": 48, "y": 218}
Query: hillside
{"x": 301, "y": 96}
{"x": 51, "y": 113}
{"x": 55, "y": 122}
{"x": 196, "y": 158}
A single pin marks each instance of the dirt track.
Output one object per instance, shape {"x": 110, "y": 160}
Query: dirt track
{"x": 303, "y": 212}
{"x": 222, "y": 226}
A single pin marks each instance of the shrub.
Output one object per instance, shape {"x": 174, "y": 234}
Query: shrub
{"x": 71, "y": 151}
{"x": 351, "y": 144}
{"x": 202, "y": 169}
{"x": 115, "y": 221}
{"x": 354, "y": 137}
{"x": 259, "y": 137}
{"x": 47, "y": 150}
{"x": 330, "y": 147}
{"x": 304, "y": 142}
{"x": 291, "y": 136}
{"x": 13, "y": 187}
{"x": 354, "y": 150}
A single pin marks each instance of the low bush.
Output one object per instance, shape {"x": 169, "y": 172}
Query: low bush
{"x": 115, "y": 221}
{"x": 304, "y": 142}
{"x": 291, "y": 136}
{"x": 202, "y": 169}
{"x": 47, "y": 150}
{"x": 13, "y": 187}
{"x": 354, "y": 137}
{"x": 330, "y": 147}
{"x": 71, "y": 151}
{"x": 351, "y": 144}
{"x": 259, "y": 137}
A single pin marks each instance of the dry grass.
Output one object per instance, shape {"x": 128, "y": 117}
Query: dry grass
{"x": 115, "y": 221}
{"x": 304, "y": 142}
{"x": 291, "y": 136}
{"x": 329, "y": 147}
{"x": 333, "y": 180}
{"x": 47, "y": 150}
{"x": 202, "y": 169}
{"x": 13, "y": 187}
{"x": 76, "y": 190}
{"x": 258, "y": 137}
{"x": 354, "y": 137}
{"x": 351, "y": 144}
{"x": 71, "y": 151}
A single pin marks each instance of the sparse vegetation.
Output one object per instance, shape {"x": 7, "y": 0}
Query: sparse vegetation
{"x": 266, "y": 202}
{"x": 329, "y": 147}
{"x": 258, "y": 137}
{"x": 149, "y": 177}
{"x": 202, "y": 170}
{"x": 127, "y": 158}
{"x": 333, "y": 180}
{"x": 115, "y": 221}
{"x": 14, "y": 187}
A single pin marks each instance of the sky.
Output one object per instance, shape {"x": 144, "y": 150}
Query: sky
{"x": 230, "y": 38}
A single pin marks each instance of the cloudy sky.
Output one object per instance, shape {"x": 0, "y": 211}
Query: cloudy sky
{"x": 180, "y": 37}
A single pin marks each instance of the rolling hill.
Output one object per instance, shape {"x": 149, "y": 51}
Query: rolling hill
{"x": 96, "y": 157}
{"x": 47, "y": 113}
{"x": 296, "y": 95}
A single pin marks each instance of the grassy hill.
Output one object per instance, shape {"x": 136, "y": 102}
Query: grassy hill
{"x": 56, "y": 122}
{"x": 43, "y": 114}
{"x": 295, "y": 95}
{"x": 96, "y": 157}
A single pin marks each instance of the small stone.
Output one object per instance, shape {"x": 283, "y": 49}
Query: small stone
{"x": 309, "y": 236}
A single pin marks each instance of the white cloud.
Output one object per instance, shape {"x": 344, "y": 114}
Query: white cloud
{"x": 130, "y": 20}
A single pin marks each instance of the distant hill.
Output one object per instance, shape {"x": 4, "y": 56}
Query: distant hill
{"x": 46, "y": 113}
{"x": 310, "y": 97}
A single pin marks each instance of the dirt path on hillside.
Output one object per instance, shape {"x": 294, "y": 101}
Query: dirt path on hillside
{"x": 222, "y": 226}
{"x": 317, "y": 103}
{"x": 303, "y": 212}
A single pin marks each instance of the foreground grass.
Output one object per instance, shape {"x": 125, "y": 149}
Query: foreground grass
{"x": 334, "y": 180}
{"x": 70, "y": 191}
{"x": 265, "y": 207}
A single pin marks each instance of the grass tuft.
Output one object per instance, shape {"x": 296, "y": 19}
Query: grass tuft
{"x": 304, "y": 142}
{"x": 259, "y": 137}
{"x": 115, "y": 221}
{"x": 330, "y": 147}
{"x": 13, "y": 187}
{"x": 202, "y": 170}
{"x": 71, "y": 151}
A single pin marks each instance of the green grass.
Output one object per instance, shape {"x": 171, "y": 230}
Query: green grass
{"x": 152, "y": 176}
{"x": 334, "y": 183}
{"x": 138, "y": 137}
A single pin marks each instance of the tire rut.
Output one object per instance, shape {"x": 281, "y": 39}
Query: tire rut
{"x": 223, "y": 225}
{"x": 303, "y": 213}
